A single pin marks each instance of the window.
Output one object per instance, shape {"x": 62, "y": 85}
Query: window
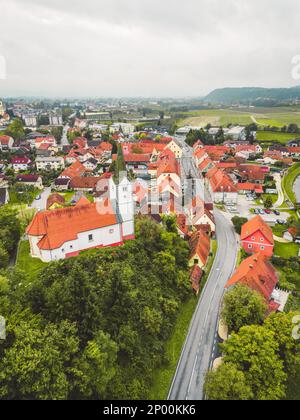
{"x": 71, "y": 246}
{"x": 250, "y": 246}
{"x": 124, "y": 189}
{"x": 261, "y": 239}
{"x": 111, "y": 231}
{"x": 91, "y": 238}
{"x": 253, "y": 238}
{"x": 262, "y": 248}
{"x": 196, "y": 261}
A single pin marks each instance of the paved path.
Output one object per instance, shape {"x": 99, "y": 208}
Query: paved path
{"x": 280, "y": 200}
{"x": 200, "y": 347}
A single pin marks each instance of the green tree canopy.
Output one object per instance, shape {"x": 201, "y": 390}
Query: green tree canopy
{"x": 227, "y": 383}
{"x": 243, "y": 306}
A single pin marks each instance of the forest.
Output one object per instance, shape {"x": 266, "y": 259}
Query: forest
{"x": 93, "y": 327}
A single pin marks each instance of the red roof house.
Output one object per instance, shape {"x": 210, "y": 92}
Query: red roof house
{"x": 257, "y": 237}
{"x": 258, "y": 274}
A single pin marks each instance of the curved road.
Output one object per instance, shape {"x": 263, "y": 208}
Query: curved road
{"x": 200, "y": 347}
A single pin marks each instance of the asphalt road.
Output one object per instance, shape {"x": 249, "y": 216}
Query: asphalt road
{"x": 64, "y": 139}
{"x": 41, "y": 204}
{"x": 200, "y": 348}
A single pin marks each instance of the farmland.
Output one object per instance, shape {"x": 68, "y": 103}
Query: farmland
{"x": 275, "y": 117}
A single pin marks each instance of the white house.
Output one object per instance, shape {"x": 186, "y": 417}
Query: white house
{"x": 20, "y": 163}
{"x": 64, "y": 233}
{"x": 49, "y": 163}
{"x": 176, "y": 148}
{"x": 6, "y": 143}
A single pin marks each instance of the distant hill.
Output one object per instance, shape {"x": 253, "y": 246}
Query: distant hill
{"x": 252, "y": 94}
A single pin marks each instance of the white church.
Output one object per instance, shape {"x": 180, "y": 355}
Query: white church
{"x": 64, "y": 233}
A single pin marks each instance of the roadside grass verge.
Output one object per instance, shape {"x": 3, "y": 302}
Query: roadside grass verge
{"x": 289, "y": 180}
{"x": 163, "y": 376}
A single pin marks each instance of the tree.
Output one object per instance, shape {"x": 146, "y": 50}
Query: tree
{"x": 238, "y": 222}
{"x": 268, "y": 203}
{"x": 4, "y": 256}
{"x": 36, "y": 365}
{"x": 254, "y": 351}
{"x": 227, "y": 383}
{"x": 96, "y": 367}
{"x": 10, "y": 229}
{"x": 289, "y": 349}
{"x": 16, "y": 129}
{"x": 242, "y": 306}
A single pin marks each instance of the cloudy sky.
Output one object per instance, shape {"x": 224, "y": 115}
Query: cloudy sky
{"x": 145, "y": 47}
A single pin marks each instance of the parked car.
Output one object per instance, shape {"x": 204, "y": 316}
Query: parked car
{"x": 256, "y": 211}
{"x": 38, "y": 197}
{"x": 281, "y": 222}
{"x": 267, "y": 211}
{"x": 277, "y": 212}
{"x": 261, "y": 211}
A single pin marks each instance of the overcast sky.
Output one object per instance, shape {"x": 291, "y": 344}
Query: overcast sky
{"x": 146, "y": 47}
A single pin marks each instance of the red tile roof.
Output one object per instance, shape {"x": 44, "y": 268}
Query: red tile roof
{"x": 62, "y": 225}
{"x": 20, "y": 160}
{"x": 257, "y": 273}
{"x": 249, "y": 186}
{"x": 167, "y": 163}
{"x": 196, "y": 276}
{"x": 254, "y": 225}
{"x": 200, "y": 245}
{"x": 4, "y": 140}
{"x": 55, "y": 199}
{"x": 76, "y": 169}
{"x": 27, "y": 178}
{"x": 220, "y": 181}
{"x": 84, "y": 182}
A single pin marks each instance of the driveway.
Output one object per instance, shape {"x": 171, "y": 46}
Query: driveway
{"x": 42, "y": 203}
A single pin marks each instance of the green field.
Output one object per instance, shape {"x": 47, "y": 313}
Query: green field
{"x": 274, "y": 117}
{"x": 283, "y": 138}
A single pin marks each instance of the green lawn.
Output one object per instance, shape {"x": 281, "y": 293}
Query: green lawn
{"x": 279, "y": 230}
{"x": 163, "y": 376}
{"x": 25, "y": 262}
{"x": 68, "y": 196}
{"x": 289, "y": 180}
{"x": 22, "y": 197}
{"x": 286, "y": 250}
{"x": 267, "y": 136}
